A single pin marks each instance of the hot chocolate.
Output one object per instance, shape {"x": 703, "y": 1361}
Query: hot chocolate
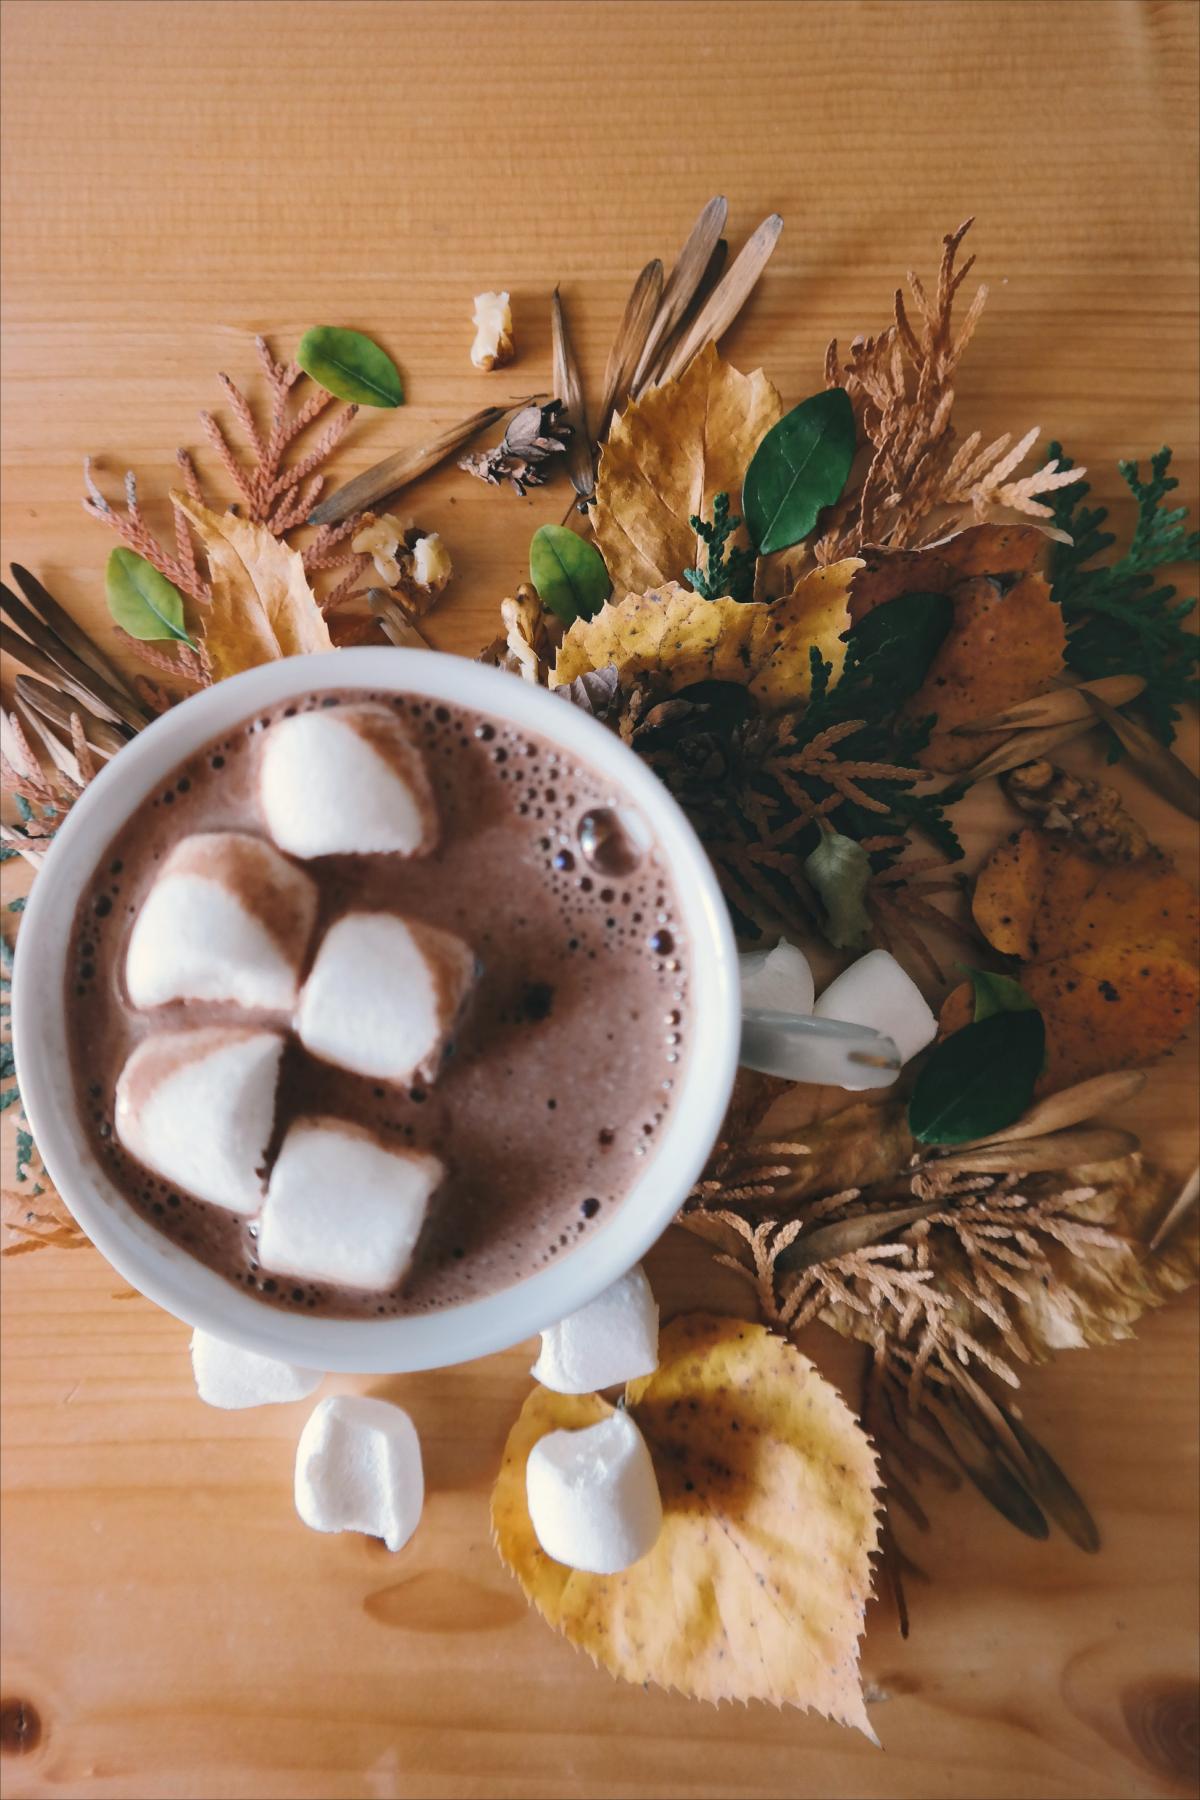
{"x": 378, "y": 1020}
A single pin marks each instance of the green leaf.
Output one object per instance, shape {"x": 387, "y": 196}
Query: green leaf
{"x": 979, "y": 1079}
{"x": 996, "y": 993}
{"x": 568, "y": 573}
{"x": 892, "y": 646}
{"x": 800, "y": 467}
{"x": 143, "y": 602}
{"x": 349, "y": 365}
{"x": 840, "y": 869}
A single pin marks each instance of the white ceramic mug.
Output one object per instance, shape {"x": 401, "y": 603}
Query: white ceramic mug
{"x": 163, "y": 1270}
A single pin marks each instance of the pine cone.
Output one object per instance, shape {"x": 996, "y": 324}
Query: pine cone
{"x": 534, "y": 435}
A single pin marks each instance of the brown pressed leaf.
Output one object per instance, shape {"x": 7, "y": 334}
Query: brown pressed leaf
{"x": 676, "y": 638}
{"x": 633, "y": 334}
{"x": 262, "y": 606}
{"x": 1006, "y": 640}
{"x": 682, "y": 284}
{"x": 395, "y": 472}
{"x": 757, "y": 1585}
{"x": 1108, "y": 951}
{"x": 1165, "y": 772}
{"x": 568, "y": 387}
{"x": 666, "y": 457}
{"x": 727, "y": 298}
{"x": 1058, "y": 707}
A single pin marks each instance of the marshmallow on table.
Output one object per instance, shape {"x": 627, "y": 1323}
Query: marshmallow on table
{"x": 197, "y": 1107}
{"x": 593, "y": 1496}
{"x": 875, "y": 991}
{"x": 777, "y": 980}
{"x": 613, "y": 1338}
{"x": 342, "y": 1207}
{"x": 231, "y": 1378}
{"x": 383, "y": 996}
{"x": 344, "y": 780}
{"x": 227, "y": 919}
{"x": 358, "y": 1468}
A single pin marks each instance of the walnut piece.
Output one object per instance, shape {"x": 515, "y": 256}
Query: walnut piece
{"x": 1085, "y": 811}
{"x": 431, "y": 563}
{"x": 493, "y": 346}
{"x": 414, "y": 561}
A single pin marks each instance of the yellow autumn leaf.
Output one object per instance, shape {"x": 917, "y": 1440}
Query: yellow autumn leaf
{"x": 757, "y": 1584}
{"x": 262, "y": 606}
{"x": 666, "y": 457}
{"x": 679, "y": 638}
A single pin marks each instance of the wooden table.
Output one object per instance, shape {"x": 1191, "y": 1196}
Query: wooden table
{"x": 179, "y": 176}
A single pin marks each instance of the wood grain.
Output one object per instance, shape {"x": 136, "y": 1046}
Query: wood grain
{"x": 177, "y": 177}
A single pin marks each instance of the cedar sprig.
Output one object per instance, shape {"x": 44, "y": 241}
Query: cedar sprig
{"x": 901, "y": 386}
{"x": 728, "y": 571}
{"x": 1119, "y": 620}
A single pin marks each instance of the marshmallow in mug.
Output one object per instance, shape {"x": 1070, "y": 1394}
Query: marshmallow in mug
{"x": 358, "y": 1468}
{"x": 346, "y": 780}
{"x": 197, "y": 1108}
{"x": 875, "y": 991}
{"x": 613, "y": 1338}
{"x": 233, "y": 1379}
{"x": 227, "y": 919}
{"x": 384, "y": 995}
{"x": 343, "y": 1207}
{"x": 593, "y": 1496}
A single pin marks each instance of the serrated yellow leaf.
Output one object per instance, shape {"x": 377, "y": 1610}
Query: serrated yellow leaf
{"x": 262, "y": 606}
{"x": 757, "y": 1584}
{"x": 679, "y": 638}
{"x": 666, "y": 457}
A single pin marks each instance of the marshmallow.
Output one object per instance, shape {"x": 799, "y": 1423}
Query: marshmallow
{"x": 227, "y": 919}
{"x": 613, "y": 1338}
{"x": 342, "y": 1208}
{"x": 875, "y": 991}
{"x": 231, "y": 1378}
{"x": 346, "y": 780}
{"x": 384, "y": 995}
{"x": 777, "y": 980}
{"x": 197, "y": 1107}
{"x": 358, "y": 1468}
{"x": 593, "y": 1496}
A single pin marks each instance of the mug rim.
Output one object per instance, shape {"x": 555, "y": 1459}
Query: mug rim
{"x": 165, "y": 1271}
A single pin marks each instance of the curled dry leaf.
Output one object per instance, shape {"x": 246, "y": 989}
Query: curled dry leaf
{"x": 1108, "y": 952}
{"x": 666, "y": 458}
{"x": 678, "y": 638}
{"x": 757, "y": 1584}
{"x": 262, "y": 606}
{"x": 1007, "y": 640}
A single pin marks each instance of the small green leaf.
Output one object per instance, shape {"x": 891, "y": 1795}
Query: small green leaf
{"x": 568, "y": 573}
{"x": 840, "y": 870}
{"x": 349, "y": 365}
{"x": 800, "y": 467}
{"x": 893, "y": 645}
{"x": 143, "y": 602}
{"x": 996, "y": 993}
{"x": 979, "y": 1079}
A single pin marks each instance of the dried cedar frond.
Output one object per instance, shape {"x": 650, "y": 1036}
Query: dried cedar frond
{"x": 524, "y": 455}
{"x": 901, "y": 385}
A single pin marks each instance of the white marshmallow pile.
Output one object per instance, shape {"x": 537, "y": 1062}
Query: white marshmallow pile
{"x": 384, "y": 995}
{"x": 197, "y": 1107}
{"x": 593, "y": 1496}
{"x": 227, "y": 919}
{"x": 614, "y": 1338}
{"x": 343, "y": 780}
{"x": 875, "y": 991}
{"x": 341, "y": 1207}
{"x": 358, "y": 1468}
{"x": 232, "y": 1379}
{"x": 778, "y": 980}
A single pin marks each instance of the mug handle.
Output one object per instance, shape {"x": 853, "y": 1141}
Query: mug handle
{"x": 802, "y": 1048}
